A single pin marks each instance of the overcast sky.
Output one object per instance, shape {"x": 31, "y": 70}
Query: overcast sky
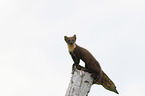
{"x": 34, "y": 59}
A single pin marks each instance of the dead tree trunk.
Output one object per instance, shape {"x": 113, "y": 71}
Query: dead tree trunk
{"x": 80, "y": 84}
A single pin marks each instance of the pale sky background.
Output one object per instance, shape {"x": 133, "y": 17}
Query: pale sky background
{"x": 34, "y": 59}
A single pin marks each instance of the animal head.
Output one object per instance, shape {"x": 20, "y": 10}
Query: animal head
{"x": 70, "y": 40}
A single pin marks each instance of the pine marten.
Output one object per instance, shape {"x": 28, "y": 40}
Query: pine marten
{"x": 91, "y": 64}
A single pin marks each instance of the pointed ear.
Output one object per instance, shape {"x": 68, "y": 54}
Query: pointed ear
{"x": 75, "y": 36}
{"x": 65, "y": 37}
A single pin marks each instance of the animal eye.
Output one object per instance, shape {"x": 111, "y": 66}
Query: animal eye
{"x": 68, "y": 40}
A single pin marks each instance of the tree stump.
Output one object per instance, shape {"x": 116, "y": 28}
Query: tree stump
{"x": 80, "y": 84}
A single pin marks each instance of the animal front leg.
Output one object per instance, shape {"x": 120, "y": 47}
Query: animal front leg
{"x": 76, "y": 60}
{"x": 73, "y": 67}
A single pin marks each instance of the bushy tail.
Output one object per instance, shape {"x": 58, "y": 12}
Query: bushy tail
{"x": 107, "y": 83}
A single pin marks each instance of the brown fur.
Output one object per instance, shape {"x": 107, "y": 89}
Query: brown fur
{"x": 91, "y": 64}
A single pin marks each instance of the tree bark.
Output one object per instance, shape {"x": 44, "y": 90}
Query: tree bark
{"x": 80, "y": 84}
